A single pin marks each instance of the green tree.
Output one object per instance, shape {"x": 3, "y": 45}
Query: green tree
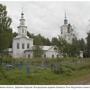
{"x": 81, "y": 44}
{"x": 38, "y": 40}
{"x": 5, "y": 30}
{"x": 14, "y": 34}
{"x": 88, "y": 44}
{"x": 46, "y": 41}
{"x": 37, "y": 51}
{"x": 54, "y": 41}
{"x": 30, "y": 35}
{"x": 61, "y": 44}
{"x": 72, "y": 49}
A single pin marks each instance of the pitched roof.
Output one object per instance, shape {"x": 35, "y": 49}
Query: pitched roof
{"x": 46, "y": 47}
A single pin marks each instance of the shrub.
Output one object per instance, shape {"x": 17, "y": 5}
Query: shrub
{"x": 7, "y": 59}
{"x": 61, "y": 69}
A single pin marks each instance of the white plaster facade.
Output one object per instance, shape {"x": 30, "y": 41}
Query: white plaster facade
{"x": 21, "y": 42}
{"x": 24, "y": 43}
{"x": 50, "y": 52}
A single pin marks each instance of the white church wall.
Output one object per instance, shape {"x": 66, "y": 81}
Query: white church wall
{"x": 51, "y": 53}
{"x": 29, "y": 54}
{"x": 20, "y": 52}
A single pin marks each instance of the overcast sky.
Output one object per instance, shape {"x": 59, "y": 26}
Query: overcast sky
{"x": 47, "y": 17}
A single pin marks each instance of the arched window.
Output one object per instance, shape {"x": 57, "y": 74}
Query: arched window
{"x": 18, "y": 46}
{"x": 23, "y": 46}
{"x": 28, "y": 45}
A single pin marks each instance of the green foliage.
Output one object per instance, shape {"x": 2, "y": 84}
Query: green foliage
{"x": 66, "y": 72}
{"x": 6, "y": 59}
{"x": 54, "y": 41}
{"x": 61, "y": 69}
{"x": 67, "y": 49}
{"x": 5, "y": 30}
{"x": 40, "y": 40}
{"x": 30, "y": 35}
{"x": 37, "y": 51}
{"x": 88, "y": 44}
{"x": 62, "y": 45}
{"x": 82, "y": 44}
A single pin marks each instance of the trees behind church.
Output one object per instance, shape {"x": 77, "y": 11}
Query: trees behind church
{"x": 5, "y": 30}
{"x": 71, "y": 50}
{"x": 6, "y": 37}
{"x": 39, "y": 39}
{"x": 88, "y": 44}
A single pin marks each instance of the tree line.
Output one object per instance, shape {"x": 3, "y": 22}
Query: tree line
{"x": 6, "y": 38}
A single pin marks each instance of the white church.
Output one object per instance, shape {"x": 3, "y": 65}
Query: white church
{"x": 67, "y": 31}
{"x": 22, "y": 46}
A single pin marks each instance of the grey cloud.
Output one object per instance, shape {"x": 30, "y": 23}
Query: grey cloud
{"x": 47, "y": 17}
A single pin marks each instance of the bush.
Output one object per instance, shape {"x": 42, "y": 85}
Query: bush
{"x": 7, "y": 59}
{"x": 61, "y": 69}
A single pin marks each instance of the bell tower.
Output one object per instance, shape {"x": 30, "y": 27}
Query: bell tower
{"x": 22, "y": 29}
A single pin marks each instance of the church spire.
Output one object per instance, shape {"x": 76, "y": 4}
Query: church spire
{"x": 22, "y": 20}
{"x": 22, "y": 15}
{"x": 65, "y": 19}
{"x": 22, "y": 29}
{"x": 65, "y": 15}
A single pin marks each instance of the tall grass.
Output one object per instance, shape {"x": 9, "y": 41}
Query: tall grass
{"x": 56, "y": 71}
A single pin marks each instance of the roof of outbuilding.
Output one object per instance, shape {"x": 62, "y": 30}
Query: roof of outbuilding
{"x": 44, "y": 48}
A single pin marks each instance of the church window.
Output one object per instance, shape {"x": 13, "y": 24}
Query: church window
{"x": 69, "y": 27}
{"x": 28, "y": 45}
{"x": 17, "y": 45}
{"x": 23, "y": 46}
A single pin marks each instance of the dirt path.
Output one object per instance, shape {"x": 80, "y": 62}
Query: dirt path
{"x": 83, "y": 81}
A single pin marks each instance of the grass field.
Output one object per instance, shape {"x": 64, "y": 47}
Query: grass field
{"x": 68, "y": 71}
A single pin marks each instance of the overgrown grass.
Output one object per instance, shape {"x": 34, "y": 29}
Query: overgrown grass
{"x": 70, "y": 71}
